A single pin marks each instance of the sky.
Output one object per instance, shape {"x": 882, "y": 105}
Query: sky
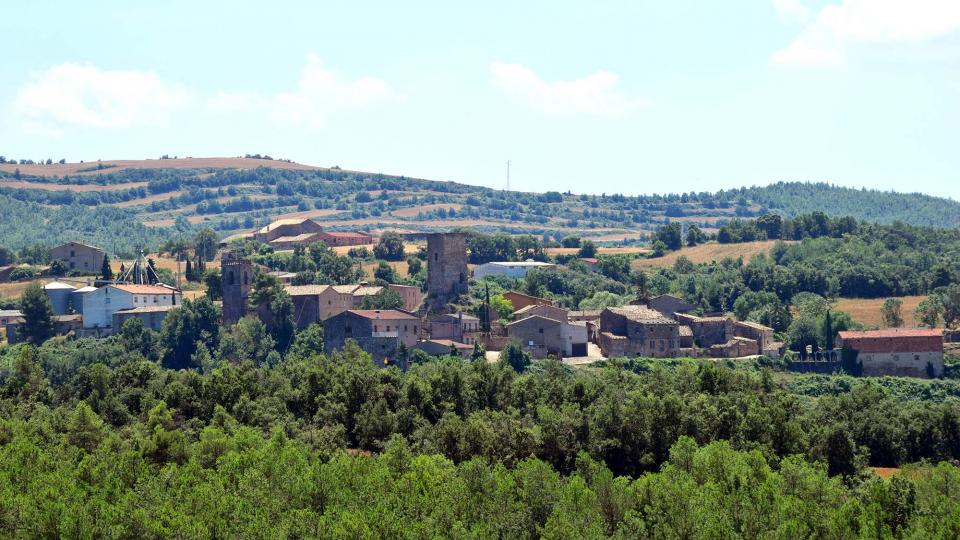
{"x": 596, "y": 96}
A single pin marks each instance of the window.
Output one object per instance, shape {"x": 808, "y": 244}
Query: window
{"x": 653, "y": 344}
{"x": 230, "y": 279}
{"x": 375, "y": 328}
{"x": 541, "y": 330}
{"x": 436, "y": 256}
{"x": 388, "y": 328}
{"x": 155, "y": 300}
{"x": 72, "y": 254}
{"x": 135, "y": 299}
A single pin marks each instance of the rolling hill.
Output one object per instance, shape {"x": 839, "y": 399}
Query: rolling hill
{"x": 127, "y": 203}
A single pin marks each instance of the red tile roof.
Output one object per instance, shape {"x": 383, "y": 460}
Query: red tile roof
{"x": 892, "y": 333}
{"x": 143, "y": 289}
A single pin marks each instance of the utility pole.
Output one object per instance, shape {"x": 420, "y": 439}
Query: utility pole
{"x": 508, "y": 175}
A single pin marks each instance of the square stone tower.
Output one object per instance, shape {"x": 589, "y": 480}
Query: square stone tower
{"x": 236, "y": 280}
{"x": 446, "y": 268}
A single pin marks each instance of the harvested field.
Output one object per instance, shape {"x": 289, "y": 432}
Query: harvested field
{"x": 69, "y": 187}
{"x": 400, "y": 267}
{"x": 866, "y": 311}
{"x": 627, "y": 250}
{"x": 182, "y": 163}
{"x": 705, "y": 253}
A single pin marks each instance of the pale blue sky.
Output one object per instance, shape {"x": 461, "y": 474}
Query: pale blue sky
{"x": 599, "y": 96}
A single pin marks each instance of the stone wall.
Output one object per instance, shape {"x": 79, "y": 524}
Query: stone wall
{"x": 446, "y": 268}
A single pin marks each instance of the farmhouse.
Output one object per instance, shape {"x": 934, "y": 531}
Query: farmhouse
{"x": 291, "y": 232}
{"x": 638, "y": 331}
{"x": 668, "y": 304}
{"x": 454, "y": 326}
{"x": 314, "y": 303}
{"x": 544, "y": 310}
{"x": 79, "y": 256}
{"x": 100, "y": 305}
{"x": 510, "y": 269}
{"x": 916, "y": 352}
{"x": 152, "y": 316}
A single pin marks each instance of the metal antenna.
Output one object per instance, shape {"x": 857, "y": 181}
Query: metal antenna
{"x": 508, "y": 175}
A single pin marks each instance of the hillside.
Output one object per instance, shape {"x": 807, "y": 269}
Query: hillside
{"x": 128, "y": 203}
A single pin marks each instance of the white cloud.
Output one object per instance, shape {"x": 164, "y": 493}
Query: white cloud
{"x": 854, "y": 22}
{"x": 597, "y": 93}
{"x": 84, "y": 95}
{"x": 319, "y": 93}
{"x": 791, "y": 11}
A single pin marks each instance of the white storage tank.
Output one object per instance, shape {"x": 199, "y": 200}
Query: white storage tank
{"x": 59, "y": 294}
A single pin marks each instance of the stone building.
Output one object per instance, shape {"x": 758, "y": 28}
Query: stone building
{"x": 707, "y": 331}
{"x": 904, "y": 352}
{"x": 378, "y": 332}
{"x": 542, "y": 336}
{"x": 544, "y": 310}
{"x": 79, "y": 256}
{"x": 459, "y": 327}
{"x": 632, "y": 331}
{"x": 236, "y": 281}
{"x": 152, "y": 316}
{"x": 446, "y": 268}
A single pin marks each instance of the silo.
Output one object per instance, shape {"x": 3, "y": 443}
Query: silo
{"x": 76, "y": 297}
{"x": 59, "y": 294}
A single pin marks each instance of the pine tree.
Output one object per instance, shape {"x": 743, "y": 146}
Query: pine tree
{"x": 37, "y": 315}
{"x": 828, "y": 332}
{"x": 106, "y": 272}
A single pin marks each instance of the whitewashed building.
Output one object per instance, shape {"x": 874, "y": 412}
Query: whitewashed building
{"x": 100, "y": 305}
{"x": 517, "y": 269}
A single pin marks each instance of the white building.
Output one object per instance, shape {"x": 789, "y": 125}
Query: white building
{"x": 100, "y": 305}
{"x": 514, "y": 270}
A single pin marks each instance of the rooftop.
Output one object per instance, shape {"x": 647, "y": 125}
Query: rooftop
{"x": 448, "y": 343}
{"x": 77, "y": 243}
{"x": 297, "y": 238}
{"x": 305, "y": 290}
{"x": 147, "y": 309}
{"x": 521, "y": 264}
{"x": 367, "y": 290}
{"x": 57, "y": 285}
{"x": 10, "y": 313}
{"x": 348, "y": 234}
{"x": 641, "y": 313}
{"x": 88, "y": 288}
{"x": 345, "y": 289}
{"x": 528, "y": 320}
{"x": 892, "y": 333}
{"x": 281, "y": 222}
{"x": 390, "y": 314}
{"x": 144, "y": 289}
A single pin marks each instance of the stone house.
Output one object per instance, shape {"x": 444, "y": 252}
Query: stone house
{"x": 373, "y": 330}
{"x": 903, "y": 352}
{"x": 152, "y": 316}
{"x": 459, "y": 327}
{"x": 632, "y": 331}
{"x": 543, "y": 310}
{"x": 541, "y": 337}
{"x": 79, "y": 256}
{"x": 707, "y": 331}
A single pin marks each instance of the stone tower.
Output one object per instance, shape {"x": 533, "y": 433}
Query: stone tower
{"x": 236, "y": 280}
{"x": 446, "y": 268}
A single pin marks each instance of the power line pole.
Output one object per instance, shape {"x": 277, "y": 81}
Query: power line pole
{"x": 508, "y": 175}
